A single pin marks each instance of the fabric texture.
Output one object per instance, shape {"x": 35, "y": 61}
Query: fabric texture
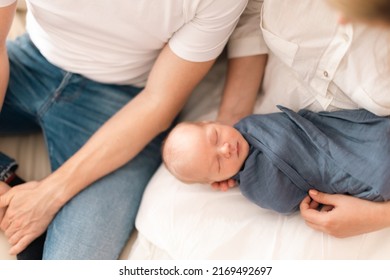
{"x": 123, "y": 51}
{"x": 4, "y": 3}
{"x": 319, "y": 66}
{"x": 334, "y": 152}
{"x": 69, "y": 108}
{"x": 7, "y": 165}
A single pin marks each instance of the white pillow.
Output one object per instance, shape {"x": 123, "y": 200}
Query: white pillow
{"x": 196, "y": 222}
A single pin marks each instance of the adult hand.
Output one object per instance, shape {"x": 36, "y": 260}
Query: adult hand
{"x": 29, "y": 210}
{"x": 344, "y": 215}
{"x": 3, "y": 189}
{"x": 224, "y": 185}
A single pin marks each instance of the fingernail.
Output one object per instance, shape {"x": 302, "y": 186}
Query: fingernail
{"x": 313, "y": 192}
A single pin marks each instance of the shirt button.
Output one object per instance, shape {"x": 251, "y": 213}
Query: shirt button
{"x": 346, "y": 37}
{"x": 326, "y": 74}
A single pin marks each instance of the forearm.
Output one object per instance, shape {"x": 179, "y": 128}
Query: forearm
{"x": 114, "y": 144}
{"x": 381, "y": 214}
{"x": 123, "y": 136}
{"x": 4, "y": 74}
{"x": 6, "y": 17}
{"x": 242, "y": 85}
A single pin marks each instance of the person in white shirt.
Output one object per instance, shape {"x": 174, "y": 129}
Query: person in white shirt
{"x": 103, "y": 80}
{"x": 325, "y": 65}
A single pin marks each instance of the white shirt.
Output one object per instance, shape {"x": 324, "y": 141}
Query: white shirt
{"x": 246, "y": 39}
{"x": 5, "y": 3}
{"x": 118, "y": 41}
{"x": 318, "y": 64}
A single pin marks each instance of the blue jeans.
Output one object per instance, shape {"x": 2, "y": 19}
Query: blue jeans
{"x": 7, "y": 165}
{"x": 68, "y": 108}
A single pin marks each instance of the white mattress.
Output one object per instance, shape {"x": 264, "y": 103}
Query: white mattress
{"x": 179, "y": 221}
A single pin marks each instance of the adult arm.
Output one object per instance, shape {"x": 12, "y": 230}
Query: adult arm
{"x": 3, "y": 189}
{"x": 32, "y": 206}
{"x": 344, "y": 215}
{"x": 247, "y": 53}
{"x": 6, "y": 17}
{"x": 242, "y": 85}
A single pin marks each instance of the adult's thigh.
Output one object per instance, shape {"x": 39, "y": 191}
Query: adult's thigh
{"x": 97, "y": 222}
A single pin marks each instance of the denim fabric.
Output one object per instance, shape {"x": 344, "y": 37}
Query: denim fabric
{"x": 335, "y": 152}
{"x": 7, "y": 164}
{"x": 69, "y": 108}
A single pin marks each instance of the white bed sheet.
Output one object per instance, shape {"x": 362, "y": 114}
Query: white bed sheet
{"x": 179, "y": 221}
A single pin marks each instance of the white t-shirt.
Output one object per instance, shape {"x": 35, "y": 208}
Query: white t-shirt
{"x": 318, "y": 64}
{"x": 118, "y": 41}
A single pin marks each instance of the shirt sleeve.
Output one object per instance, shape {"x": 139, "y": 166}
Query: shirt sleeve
{"x": 247, "y": 38}
{"x": 205, "y": 35}
{"x": 5, "y": 3}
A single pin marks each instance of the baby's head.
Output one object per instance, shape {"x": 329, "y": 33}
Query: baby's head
{"x": 204, "y": 152}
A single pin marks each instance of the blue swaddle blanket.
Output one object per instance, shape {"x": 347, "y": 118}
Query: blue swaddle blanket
{"x": 344, "y": 152}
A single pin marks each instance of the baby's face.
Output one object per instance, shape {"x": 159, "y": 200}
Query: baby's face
{"x": 211, "y": 151}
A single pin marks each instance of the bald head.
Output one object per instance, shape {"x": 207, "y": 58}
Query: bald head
{"x": 180, "y": 152}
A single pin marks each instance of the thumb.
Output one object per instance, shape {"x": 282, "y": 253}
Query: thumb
{"x": 322, "y": 198}
{"x": 4, "y": 200}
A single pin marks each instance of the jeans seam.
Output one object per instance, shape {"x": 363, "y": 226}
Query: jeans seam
{"x": 57, "y": 93}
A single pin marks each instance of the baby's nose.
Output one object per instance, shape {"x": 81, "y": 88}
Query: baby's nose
{"x": 226, "y": 150}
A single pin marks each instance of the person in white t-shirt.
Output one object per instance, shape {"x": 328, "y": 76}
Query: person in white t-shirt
{"x": 103, "y": 80}
{"x": 319, "y": 64}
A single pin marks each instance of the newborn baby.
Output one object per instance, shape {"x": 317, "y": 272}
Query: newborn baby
{"x": 276, "y": 158}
